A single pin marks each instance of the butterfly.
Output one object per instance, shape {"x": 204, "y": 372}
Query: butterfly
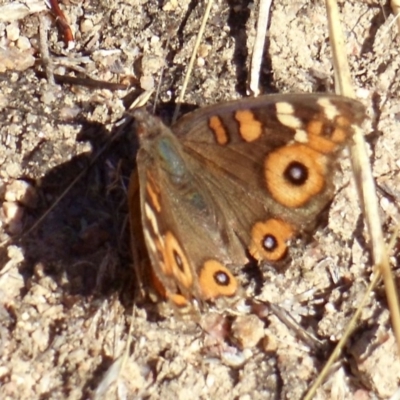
{"x": 232, "y": 182}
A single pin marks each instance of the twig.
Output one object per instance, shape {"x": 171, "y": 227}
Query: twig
{"x": 191, "y": 62}
{"x": 44, "y": 49}
{"x": 62, "y": 23}
{"x": 258, "y": 48}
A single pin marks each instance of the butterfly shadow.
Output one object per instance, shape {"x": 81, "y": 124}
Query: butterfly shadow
{"x": 80, "y": 234}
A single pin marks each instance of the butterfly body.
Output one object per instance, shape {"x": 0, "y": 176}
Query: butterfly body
{"x": 234, "y": 179}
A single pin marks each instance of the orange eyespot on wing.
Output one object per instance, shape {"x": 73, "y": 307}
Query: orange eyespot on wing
{"x": 339, "y": 136}
{"x": 269, "y": 240}
{"x": 294, "y": 174}
{"x": 177, "y": 260}
{"x": 326, "y": 136}
{"x": 216, "y": 280}
{"x": 320, "y": 143}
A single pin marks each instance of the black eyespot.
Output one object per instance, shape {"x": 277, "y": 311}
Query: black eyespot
{"x": 269, "y": 242}
{"x": 178, "y": 261}
{"x": 221, "y": 278}
{"x": 296, "y": 173}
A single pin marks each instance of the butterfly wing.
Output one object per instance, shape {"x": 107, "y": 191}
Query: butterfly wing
{"x": 184, "y": 230}
{"x": 269, "y": 161}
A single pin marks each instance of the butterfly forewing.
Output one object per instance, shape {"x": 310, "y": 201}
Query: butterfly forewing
{"x": 274, "y": 156}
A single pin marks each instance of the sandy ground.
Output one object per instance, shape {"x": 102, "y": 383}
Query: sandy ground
{"x": 67, "y": 288}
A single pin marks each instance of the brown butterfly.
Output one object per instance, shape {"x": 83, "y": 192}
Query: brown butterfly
{"x": 235, "y": 179}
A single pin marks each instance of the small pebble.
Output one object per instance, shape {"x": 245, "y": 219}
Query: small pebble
{"x": 21, "y": 192}
{"x": 86, "y": 26}
{"x": 23, "y": 43}
{"x": 201, "y": 62}
{"x": 247, "y": 330}
{"x": 147, "y": 82}
{"x": 170, "y": 5}
{"x": 12, "y": 32}
{"x": 13, "y": 214}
